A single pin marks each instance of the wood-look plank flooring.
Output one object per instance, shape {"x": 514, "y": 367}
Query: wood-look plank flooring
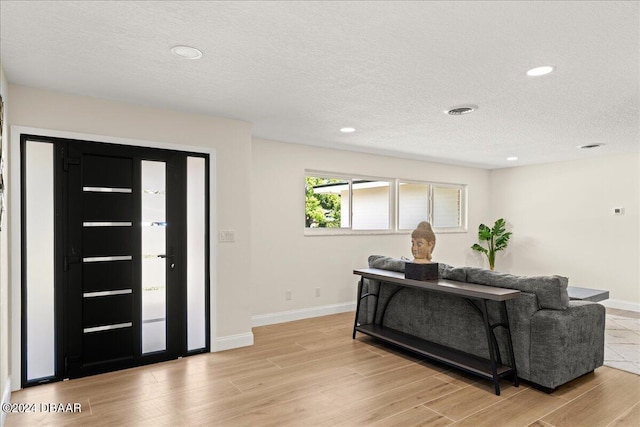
{"x": 311, "y": 373}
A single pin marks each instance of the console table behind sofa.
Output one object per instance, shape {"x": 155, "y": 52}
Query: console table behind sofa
{"x": 476, "y": 295}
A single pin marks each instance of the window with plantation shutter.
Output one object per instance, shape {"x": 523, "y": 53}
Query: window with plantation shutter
{"x": 446, "y": 207}
{"x": 413, "y": 204}
{"x": 338, "y": 203}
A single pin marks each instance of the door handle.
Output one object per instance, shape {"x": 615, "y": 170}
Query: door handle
{"x": 68, "y": 260}
{"x": 168, "y": 257}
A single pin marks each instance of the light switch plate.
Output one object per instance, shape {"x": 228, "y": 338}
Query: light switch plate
{"x": 226, "y": 236}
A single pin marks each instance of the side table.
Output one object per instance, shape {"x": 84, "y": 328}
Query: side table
{"x": 586, "y": 294}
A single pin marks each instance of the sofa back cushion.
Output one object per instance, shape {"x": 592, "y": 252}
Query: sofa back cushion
{"x": 448, "y": 272}
{"x": 386, "y": 263}
{"x": 551, "y": 291}
{"x": 445, "y": 271}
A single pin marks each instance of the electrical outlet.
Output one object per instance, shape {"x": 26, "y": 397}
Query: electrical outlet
{"x": 618, "y": 211}
{"x": 317, "y": 292}
{"x": 287, "y": 295}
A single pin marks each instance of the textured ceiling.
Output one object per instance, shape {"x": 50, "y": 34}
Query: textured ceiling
{"x": 299, "y": 71}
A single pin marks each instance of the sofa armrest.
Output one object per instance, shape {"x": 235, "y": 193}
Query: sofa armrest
{"x": 566, "y": 344}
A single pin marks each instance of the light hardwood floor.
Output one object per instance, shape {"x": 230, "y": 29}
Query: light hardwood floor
{"x": 311, "y": 373}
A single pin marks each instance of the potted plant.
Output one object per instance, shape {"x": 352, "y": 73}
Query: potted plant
{"x": 497, "y": 239}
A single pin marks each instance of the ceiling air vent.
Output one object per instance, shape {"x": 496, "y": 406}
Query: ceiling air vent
{"x": 465, "y": 109}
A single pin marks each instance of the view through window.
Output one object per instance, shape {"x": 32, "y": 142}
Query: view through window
{"x": 341, "y": 203}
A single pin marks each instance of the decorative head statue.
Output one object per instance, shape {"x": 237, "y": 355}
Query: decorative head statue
{"x": 423, "y": 241}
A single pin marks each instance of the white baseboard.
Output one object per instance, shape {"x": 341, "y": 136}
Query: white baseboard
{"x": 621, "y": 304}
{"x": 233, "y": 341}
{"x": 245, "y": 340}
{"x": 6, "y": 398}
{"x": 304, "y": 313}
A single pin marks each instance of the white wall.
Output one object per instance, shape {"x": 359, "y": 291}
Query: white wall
{"x": 5, "y": 351}
{"x": 285, "y": 259}
{"x": 231, "y": 141}
{"x": 562, "y": 223}
{"x": 560, "y": 213}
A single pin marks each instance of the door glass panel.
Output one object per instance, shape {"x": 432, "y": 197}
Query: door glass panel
{"x": 154, "y": 251}
{"x": 39, "y": 273}
{"x": 196, "y": 252}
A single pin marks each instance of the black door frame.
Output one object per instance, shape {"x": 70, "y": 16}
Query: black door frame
{"x": 179, "y": 349}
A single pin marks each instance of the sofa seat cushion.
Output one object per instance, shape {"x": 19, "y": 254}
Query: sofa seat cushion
{"x": 551, "y": 291}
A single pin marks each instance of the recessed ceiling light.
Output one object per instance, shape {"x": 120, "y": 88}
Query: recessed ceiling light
{"x": 588, "y": 146}
{"x": 540, "y": 71}
{"x": 512, "y": 158}
{"x": 347, "y": 130}
{"x": 463, "y": 109}
{"x": 187, "y": 52}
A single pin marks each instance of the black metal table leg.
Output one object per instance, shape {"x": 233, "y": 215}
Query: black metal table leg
{"x": 358, "y": 300}
{"x": 377, "y": 295}
{"x": 510, "y": 345}
{"x": 487, "y": 327}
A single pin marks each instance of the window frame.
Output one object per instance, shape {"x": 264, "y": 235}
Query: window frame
{"x": 462, "y": 226}
{"x": 394, "y": 205}
{"x": 350, "y": 178}
{"x": 429, "y": 207}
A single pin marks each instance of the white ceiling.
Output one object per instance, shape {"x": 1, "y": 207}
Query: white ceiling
{"x": 299, "y": 71}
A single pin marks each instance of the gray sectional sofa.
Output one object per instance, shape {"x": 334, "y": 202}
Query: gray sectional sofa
{"x": 554, "y": 340}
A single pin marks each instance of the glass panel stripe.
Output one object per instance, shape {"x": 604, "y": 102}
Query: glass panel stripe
{"x": 107, "y": 224}
{"x": 106, "y": 293}
{"x": 106, "y": 190}
{"x": 107, "y": 258}
{"x": 159, "y": 319}
{"x": 108, "y": 327}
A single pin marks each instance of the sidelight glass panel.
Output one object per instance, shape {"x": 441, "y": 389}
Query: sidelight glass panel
{"x": 196, "y": 252}
{"x": 154, "y": 251}
{"x": 39, "y": 271}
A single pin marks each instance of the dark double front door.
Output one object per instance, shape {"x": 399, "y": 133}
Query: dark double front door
{"x": 121, "y": 244}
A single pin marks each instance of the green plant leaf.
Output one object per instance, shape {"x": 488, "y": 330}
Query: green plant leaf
{"x": 502, "y": 241}
{"x": 484, "y": 232}
{"x": 499, "y": 227}
{"x": 477, "y": 247}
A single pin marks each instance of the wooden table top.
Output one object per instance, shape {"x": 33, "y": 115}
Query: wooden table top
{"x": 463, "y": 289}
